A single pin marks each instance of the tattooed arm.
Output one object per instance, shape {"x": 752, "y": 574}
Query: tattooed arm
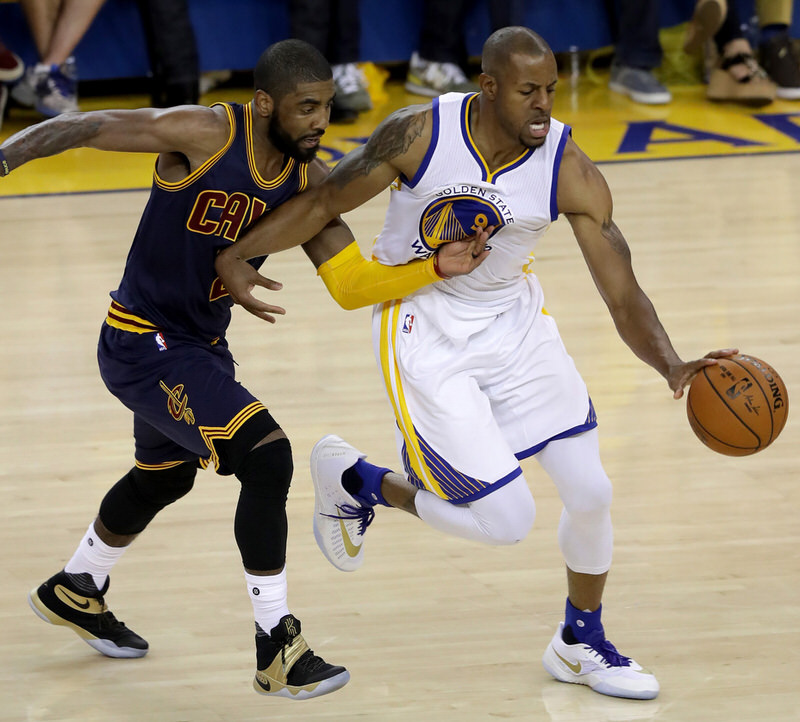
{"x": 583, "y": 196}
{"x": 397, "y": 146}
{"x": 190, "y": 134}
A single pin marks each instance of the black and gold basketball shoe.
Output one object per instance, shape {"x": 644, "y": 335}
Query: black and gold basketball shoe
{"x": 73, "y": 600}
{"x": 286, "y": 667}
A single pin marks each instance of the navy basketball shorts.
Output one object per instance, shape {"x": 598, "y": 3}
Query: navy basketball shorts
{"x": 184, "y": 397}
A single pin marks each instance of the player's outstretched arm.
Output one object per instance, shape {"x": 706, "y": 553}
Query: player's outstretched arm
{"x": 583, "y": 196}
{"x": 196, "y": 132}
{"x": 396, "y": 146}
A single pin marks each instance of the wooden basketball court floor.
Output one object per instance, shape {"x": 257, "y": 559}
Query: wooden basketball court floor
{"x": 705, "y": 586}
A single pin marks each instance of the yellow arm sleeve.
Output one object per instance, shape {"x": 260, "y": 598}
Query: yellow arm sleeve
{"x": 354, "y": 282}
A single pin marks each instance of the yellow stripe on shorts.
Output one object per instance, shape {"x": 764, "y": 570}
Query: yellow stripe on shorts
{"x": 391, "y": 378}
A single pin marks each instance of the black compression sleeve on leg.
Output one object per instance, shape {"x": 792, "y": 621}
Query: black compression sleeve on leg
{"x": 130, "y": 505}
{"x": 260, "y": 525}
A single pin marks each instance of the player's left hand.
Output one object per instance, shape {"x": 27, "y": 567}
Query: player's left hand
{"x": 240, "y": 278}
{"x": 681, "y": 375}
{"x": 457, "y": 258}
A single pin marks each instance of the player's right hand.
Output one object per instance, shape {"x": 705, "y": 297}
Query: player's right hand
{"x": 240, "y": 278}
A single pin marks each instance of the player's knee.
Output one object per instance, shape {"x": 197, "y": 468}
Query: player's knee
{"x": 267, "y": 470}
{"x": 163, "y": 487}
{"x": 593, "y": 497}
{"x": 137, "y": 497}
{"x": 516, "y": 523}
{"x": 508, "y": 516}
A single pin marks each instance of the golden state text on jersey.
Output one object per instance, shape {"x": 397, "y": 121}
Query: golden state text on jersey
{"x": 458, "y": 212}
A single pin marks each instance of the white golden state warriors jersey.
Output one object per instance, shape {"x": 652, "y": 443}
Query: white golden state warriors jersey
{"x": 453, "y": 192}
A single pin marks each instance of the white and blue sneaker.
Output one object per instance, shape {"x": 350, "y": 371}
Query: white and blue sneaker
{"x": 340, "y": 520}
{"x": 597, "y": 664}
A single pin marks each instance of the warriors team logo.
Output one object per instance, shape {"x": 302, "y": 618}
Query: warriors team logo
{"x": 177, "y": 403}
{"x": 455, "y": 216}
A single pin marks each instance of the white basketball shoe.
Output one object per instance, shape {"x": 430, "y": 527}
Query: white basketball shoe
{"x": 597, "y": 664}
{"x": 340, "y": 521}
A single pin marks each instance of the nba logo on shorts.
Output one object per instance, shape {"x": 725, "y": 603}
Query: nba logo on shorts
{"x": 160, "y": 342}
{"x": 408, "y": 323}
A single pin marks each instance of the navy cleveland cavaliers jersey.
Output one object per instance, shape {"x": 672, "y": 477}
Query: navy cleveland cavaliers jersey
{"x": 169, "y": 283}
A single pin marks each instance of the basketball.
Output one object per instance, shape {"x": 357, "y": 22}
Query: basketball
{"x": 737, "y": 407}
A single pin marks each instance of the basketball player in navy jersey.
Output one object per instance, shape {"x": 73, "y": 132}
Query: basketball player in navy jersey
{"x": 475, "y": 369}
{"x": 163, "y": 352}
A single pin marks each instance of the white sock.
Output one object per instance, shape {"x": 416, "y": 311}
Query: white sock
{"x": 269, "y": 598}
{"x": 95, "y": 557}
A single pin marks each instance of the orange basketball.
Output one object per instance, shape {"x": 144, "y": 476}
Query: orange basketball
{"x": 737, "y": 407}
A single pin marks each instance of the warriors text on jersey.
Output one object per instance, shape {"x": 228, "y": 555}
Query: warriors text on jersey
{"x": 169, "y": 283}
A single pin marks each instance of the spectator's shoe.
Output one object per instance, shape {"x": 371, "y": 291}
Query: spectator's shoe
{"x": 23, "y": 92}
{"x": 597, "y": 664}
{"x": 56, "y": 89}
{"x": 340, "y": 521}
{"x": 753, "y": 89}
{"x": 639, "y": 84}
{"x": 351, "y": 88}
{"x": 286, "y": 667}
{"x": 781, "y": 62}
{"x": 11, "y": 65}
{"x": 73, "y": 600}
{"x": 426, "y": 77}
{"x": 706, "y": 20}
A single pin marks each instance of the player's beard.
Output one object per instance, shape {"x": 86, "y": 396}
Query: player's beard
{"x": 287, "y": 145}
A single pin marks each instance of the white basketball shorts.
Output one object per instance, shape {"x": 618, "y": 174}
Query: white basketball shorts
{"x": 468, "y": 409}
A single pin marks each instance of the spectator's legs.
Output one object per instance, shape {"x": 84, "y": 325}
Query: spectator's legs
{"x": 637, "y": 44}
{"x": 172, "y": 48}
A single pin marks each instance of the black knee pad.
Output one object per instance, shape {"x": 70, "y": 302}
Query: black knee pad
{"x": 137, "y": 497}
{"x": 260, "y": 525}
{"x": 267, "y": 469}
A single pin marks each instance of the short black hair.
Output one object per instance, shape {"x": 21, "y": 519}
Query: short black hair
{"x": 286, "y": 64}
{"x": 505, "y": 42}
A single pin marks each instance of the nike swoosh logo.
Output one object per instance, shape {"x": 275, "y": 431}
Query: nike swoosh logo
{"x": 351, "y": 549}
{"x": 76, "y": 603}
{"x": 265, "y": 685}
{"x": 575, "y": 667}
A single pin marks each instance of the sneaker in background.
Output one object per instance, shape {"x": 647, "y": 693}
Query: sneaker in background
{"x": 11, "y": 65}
{"x": 351, "y": 87}
{"x": 73, "y": 600}
{"x": 57, "y": 88}
{"x": 23, "y": 92}
{"x": 782, "y": 63}
{"x": 597, "y": 664}
{"x": 426, "y": 77}
{"x": 639, "y": 84}
{"x": 286, "y": 667}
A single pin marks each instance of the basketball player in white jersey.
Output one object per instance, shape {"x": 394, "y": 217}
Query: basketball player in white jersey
{"x": 474, "y": 367}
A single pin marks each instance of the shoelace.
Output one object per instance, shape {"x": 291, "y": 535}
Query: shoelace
{"x": 308, "y": 662}
{"x": 597, "y": 642}
{"x": 363, "y": 514}
{"x": 444, "y": 74}
{"x": 60, "y": 84}
{"x": 348, "y": 78}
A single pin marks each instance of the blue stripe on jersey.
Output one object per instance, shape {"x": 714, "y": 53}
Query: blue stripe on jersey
{"x": 432, "y": 147}
{"x": 590, "y": 423}
{"x": 459, "y": 488}
{"x": 565, "y": 133}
